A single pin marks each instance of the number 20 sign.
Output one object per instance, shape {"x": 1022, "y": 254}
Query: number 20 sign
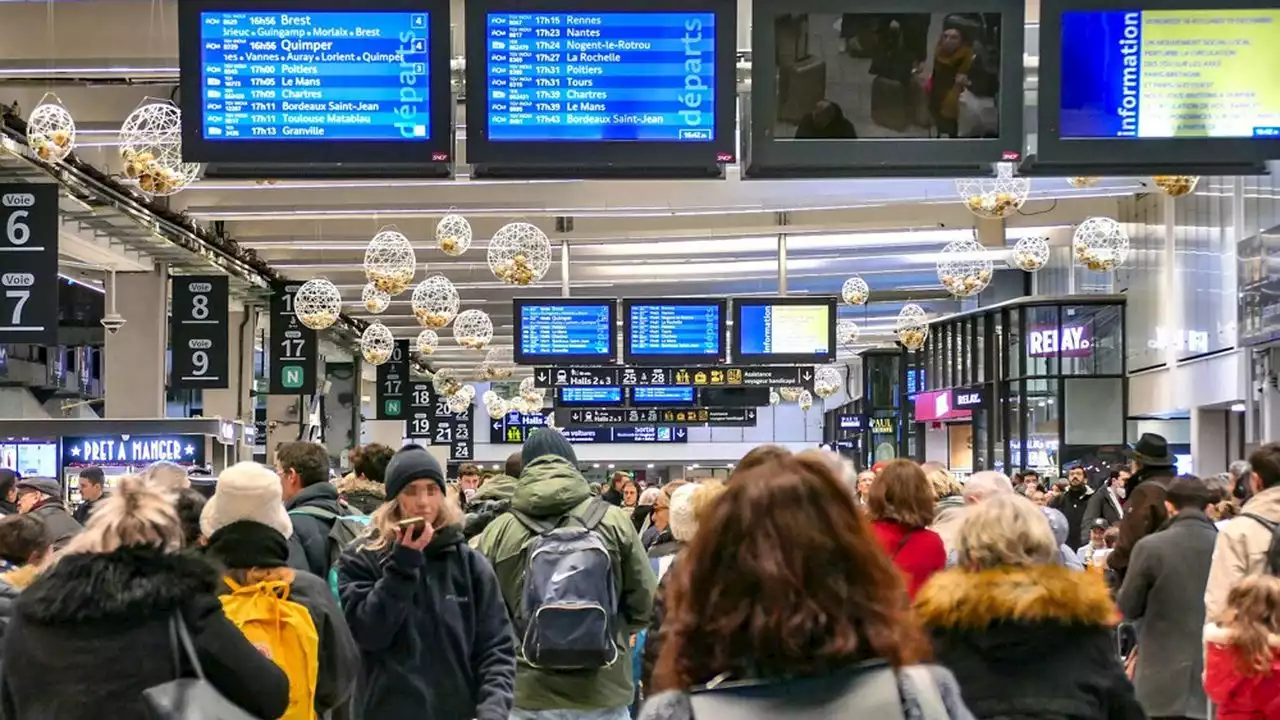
{"x": 29, "y": 263}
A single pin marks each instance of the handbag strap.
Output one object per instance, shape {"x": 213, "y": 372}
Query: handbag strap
{"x": 180, "y": 643}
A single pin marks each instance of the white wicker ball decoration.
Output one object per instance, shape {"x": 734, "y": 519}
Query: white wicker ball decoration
{"x": 151, "y": 147}
{"x": 790, "y": 394}
{"x": 377, "y": 344}
{"x": 446, "y": 383}
{"x": 458, "y": 403}
{"x": 1031, "y": 253}
{"x": 317, "y": 304}
{"x": 528, "y": 386}
{"x": 498, "y": 364}
{"x": 855, "y": 291}
{"x": 912, "y": 327}
{"x": 774, "y": 397}
{"x": 389, "y": 261}
{"x": 1100, "y": 244}
{"x": 1176, "y": 185}
{"x": 1083, "y": 181}
{"x": 494, "y": 405}
{"x": 469, "y": 391}
{"x": 996, "y": 197}
{"x": 805, "y": 401}
{"x": 427, "y": 342}
{"x": 453, "y": 234}
{"x": 519, "y": 254}
{"x": 473, "y": 329}
{"x": 435, "y": 302}
{"x": 826, "y": 382}
{"x": 964, "y": 268}
{"x": 847, "y": 332}
{"x": 374, "y": 300}
{"x": 51, "y": 131}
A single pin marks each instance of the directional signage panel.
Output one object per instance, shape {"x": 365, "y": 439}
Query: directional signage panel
{"x": 515, "y": 427}
{"x": 721, "y": 417}
{"x": 720, "y": 376}
{"x": 393, "y": 384}
{"x": 428, "y": 417}
{"x": 198, "y": 337}
{"x": 421, "y": 400}
{"x": 293, "y": 346}
{"x": 29, "y": 263}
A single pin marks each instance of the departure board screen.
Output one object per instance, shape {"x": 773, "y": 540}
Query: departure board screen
{"x": 607, "y": 76}
{"x": 666, "y": 330}
{"x": 565, "y": 331}
{"x": 785, "y": 330}
{"x": 589, "y": 396}
{"x": 315, "y": 76}
{"x": 660, "y": 395}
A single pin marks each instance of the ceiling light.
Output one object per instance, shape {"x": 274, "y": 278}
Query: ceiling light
{"x": 650, "y": 466}
{"x": 596, "y": 465}
{"x": 1238, "y": 407}
{"x": 610, "y": 466}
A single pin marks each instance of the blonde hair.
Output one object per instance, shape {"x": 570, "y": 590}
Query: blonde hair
{"x": 165, "y": 476}
{"x": 383, "y": 522}
{"x": 704, "y": 498}
{"x": 1006, "y": 529}
{"x": 135, "y": 515}
{"x": 1253, "y": 617}
{"x": 943, "y": 482}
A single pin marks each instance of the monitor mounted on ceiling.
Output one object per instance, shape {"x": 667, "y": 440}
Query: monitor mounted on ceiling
{"x": 665, "y": 331}
{"x": 888, "y": 87}
{"x": 565, "y": 331}
{"x": 784, "y": 330}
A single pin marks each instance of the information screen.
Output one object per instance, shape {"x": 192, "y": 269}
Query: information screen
{"x": 685, "y": 330}
{"x": 612, "y": 76}
{"x": 1170, "y": 74}
{"x": 315, "y": 76}
{"x": 590, "y": 396}
{"x": 796, "y": 331}
{"x": 566, "y": 332}
{"x": 656, "y": 395}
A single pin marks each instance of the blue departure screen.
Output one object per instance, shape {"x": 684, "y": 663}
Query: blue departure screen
{"x": 686, "y": 330}
{"x": 658, "y": 395}
{"x": 591, "y": 396}
{"x": 298, "y": 76}
{"x": 570, "y": 77}
{"x": 553, "y": 330}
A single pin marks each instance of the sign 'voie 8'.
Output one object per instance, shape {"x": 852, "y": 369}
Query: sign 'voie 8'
{"x": 29, "y": 264}
{"x": 198, "y": 326}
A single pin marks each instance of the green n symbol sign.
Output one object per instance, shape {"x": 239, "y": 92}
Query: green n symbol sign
{"x": 291, "y": 376}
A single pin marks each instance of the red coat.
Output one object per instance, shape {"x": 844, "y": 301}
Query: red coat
{"x": 1237, "y": 696}
{"x": 918, "y": 552}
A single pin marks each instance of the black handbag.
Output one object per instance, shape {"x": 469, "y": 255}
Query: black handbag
{"x": 189, "y": 698}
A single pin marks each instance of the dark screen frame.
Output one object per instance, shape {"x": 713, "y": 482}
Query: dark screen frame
{"x": 692, "y": 402}
{"x": 621, "y": 402}
{"x": 831, "y": 302}
{"x": 522, "y": 358}
{"x": 1138, "y": 156}
{"x": 881, "y": 157}
{"x": 497, "y": 157}
{"x": 436, "y": 150}
{"x": 630, "y": 358}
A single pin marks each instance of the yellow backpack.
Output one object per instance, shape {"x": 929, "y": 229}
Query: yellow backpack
{"x": 283, "y": 631}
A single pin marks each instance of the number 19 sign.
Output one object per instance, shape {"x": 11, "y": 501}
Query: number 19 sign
{"x": 29, "y": 264}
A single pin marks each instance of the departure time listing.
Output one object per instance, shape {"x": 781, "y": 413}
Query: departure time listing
{"x": 566, "y": 77}
{"x": 286, "y": 76}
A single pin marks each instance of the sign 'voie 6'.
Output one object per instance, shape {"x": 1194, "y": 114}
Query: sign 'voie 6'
{"x": 29, "y": 264}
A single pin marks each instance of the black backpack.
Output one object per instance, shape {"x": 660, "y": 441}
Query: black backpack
{"x": 1273, "y": 552}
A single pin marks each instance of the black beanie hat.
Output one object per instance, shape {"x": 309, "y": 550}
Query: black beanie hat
{"x": 411, "y": 462}
{"x": 547, "y": 441}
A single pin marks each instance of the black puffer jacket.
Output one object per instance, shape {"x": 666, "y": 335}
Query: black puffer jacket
{"x": 99, "y": 623}
{"x": 310, "y": 539}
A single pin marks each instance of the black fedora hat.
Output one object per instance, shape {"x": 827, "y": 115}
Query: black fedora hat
{"x": 1152, "y": 450}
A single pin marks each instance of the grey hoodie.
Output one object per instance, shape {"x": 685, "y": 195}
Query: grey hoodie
{"x": 1061, "y": 529}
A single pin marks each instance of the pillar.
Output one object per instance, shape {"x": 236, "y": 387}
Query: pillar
{"x": 1210, "y": 441}
{"x": 285, "y": 418}
{"x": 134, "y": 366}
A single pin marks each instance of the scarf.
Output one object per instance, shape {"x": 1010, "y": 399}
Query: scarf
{"x": 246, "y": 544}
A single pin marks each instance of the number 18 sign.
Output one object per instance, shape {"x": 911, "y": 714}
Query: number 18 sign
{"x": 29, "y": 263}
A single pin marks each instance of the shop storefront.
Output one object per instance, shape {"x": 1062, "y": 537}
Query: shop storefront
{"x": 880, "y": 425}
{"x": 1033, "y": 383}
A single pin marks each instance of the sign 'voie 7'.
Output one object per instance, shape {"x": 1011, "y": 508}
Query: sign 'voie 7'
{"x": 198, "y": 326}
{"x": 29, "y": 263}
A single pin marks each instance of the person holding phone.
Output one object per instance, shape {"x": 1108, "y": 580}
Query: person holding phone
{"x": 425, "y": 608}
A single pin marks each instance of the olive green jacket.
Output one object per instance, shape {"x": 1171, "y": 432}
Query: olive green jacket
{"x": 550, "y": 487}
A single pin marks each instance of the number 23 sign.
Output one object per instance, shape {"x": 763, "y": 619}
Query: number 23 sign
{"x": 29, "y": 263}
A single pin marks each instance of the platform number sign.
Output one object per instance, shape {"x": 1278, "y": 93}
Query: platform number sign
{"x": 393, "y": 384}
{"x": 428, "y": 418}
{"x": 293, "y": 347}
{"x": 198, "y": 326}
{"x": 29, "y": 263}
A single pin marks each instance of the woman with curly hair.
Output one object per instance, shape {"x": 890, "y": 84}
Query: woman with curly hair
{"x": 784, "y": 596}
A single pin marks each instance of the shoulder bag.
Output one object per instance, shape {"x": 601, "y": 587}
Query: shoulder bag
{"x": 189, "y": 698}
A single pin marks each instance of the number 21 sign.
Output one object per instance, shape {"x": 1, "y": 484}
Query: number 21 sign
{"x": 29, "y": 263}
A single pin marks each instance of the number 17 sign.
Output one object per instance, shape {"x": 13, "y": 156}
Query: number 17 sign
{"x": 29, "y": 263}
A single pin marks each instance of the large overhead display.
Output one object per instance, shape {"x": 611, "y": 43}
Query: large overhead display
{"x": 321, "y": 81}
{"x": 565, "y": 331}
{"x": 785, "y": 330}
{"x": 1160, "y": 83}
{"x": 846, "y": 88}
{"x": 673, "y": 330}
{"x": 567, "y": 86}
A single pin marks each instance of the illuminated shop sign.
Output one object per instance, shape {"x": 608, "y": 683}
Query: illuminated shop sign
{"x": 883, "y": 426}
{"x": 851, "y": 422}
{"x": 133, "y": 449}
{"x": 938, "y": 406}
{"x": 970, "y": 398}
{"x": 1075, "y": 341}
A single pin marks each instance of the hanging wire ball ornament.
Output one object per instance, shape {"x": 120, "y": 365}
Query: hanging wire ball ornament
{"x": 494, "y": 405}
{"x": 1083, "y": 181}
{"x": 855, "y": 291}
{"x": 446, "y": 383}
{"x": 453, "y": 234}
{"x": 1031, "y": 253}
{"x": 790, "y": 394}
{"x": 805, "y": 400}
{"x": 389, "y": 261}
{"x": 374, "y": 300}
{"x": 1100, "y": 244}
{"x": 469, "y": 391}
{"x": 435, "y": 302}
{"x": 1176, "y": 185}
{"x": 847, "y": 332}
{"x": 826, "y": 382}
{"x": 519, "y": 254}
{"x": 912, "y": 326}
{"x": 377, "y": 344}
{"x": 498, "y": 364}
{"x": 151, "y": 147}
{"x": 964, "y": 268}
{"x": 532, "y": 394}
{"x": 774, "y": 397}
{"x": 458, "y": 402}
{"x": 426, "y": 342}
{"x": 996, "y": 197}
{"x": 473, "y": 329}
{"x": 51, "y": 131}
{"x": 317, "y": 304}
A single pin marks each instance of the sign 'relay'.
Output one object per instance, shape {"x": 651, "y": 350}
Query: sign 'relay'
{"x": 1076, "y": 341}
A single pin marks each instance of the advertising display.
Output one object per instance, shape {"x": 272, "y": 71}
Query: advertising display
{"x": 673, "y": 330}
{"x": 198, "y": 333}
{"x": 29, "y": 263}
{"x": 568, "y": 331}
{"x": 799, "y": 330}
{"x": 30, "y": 459}
{"x": 938, "y": 406}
